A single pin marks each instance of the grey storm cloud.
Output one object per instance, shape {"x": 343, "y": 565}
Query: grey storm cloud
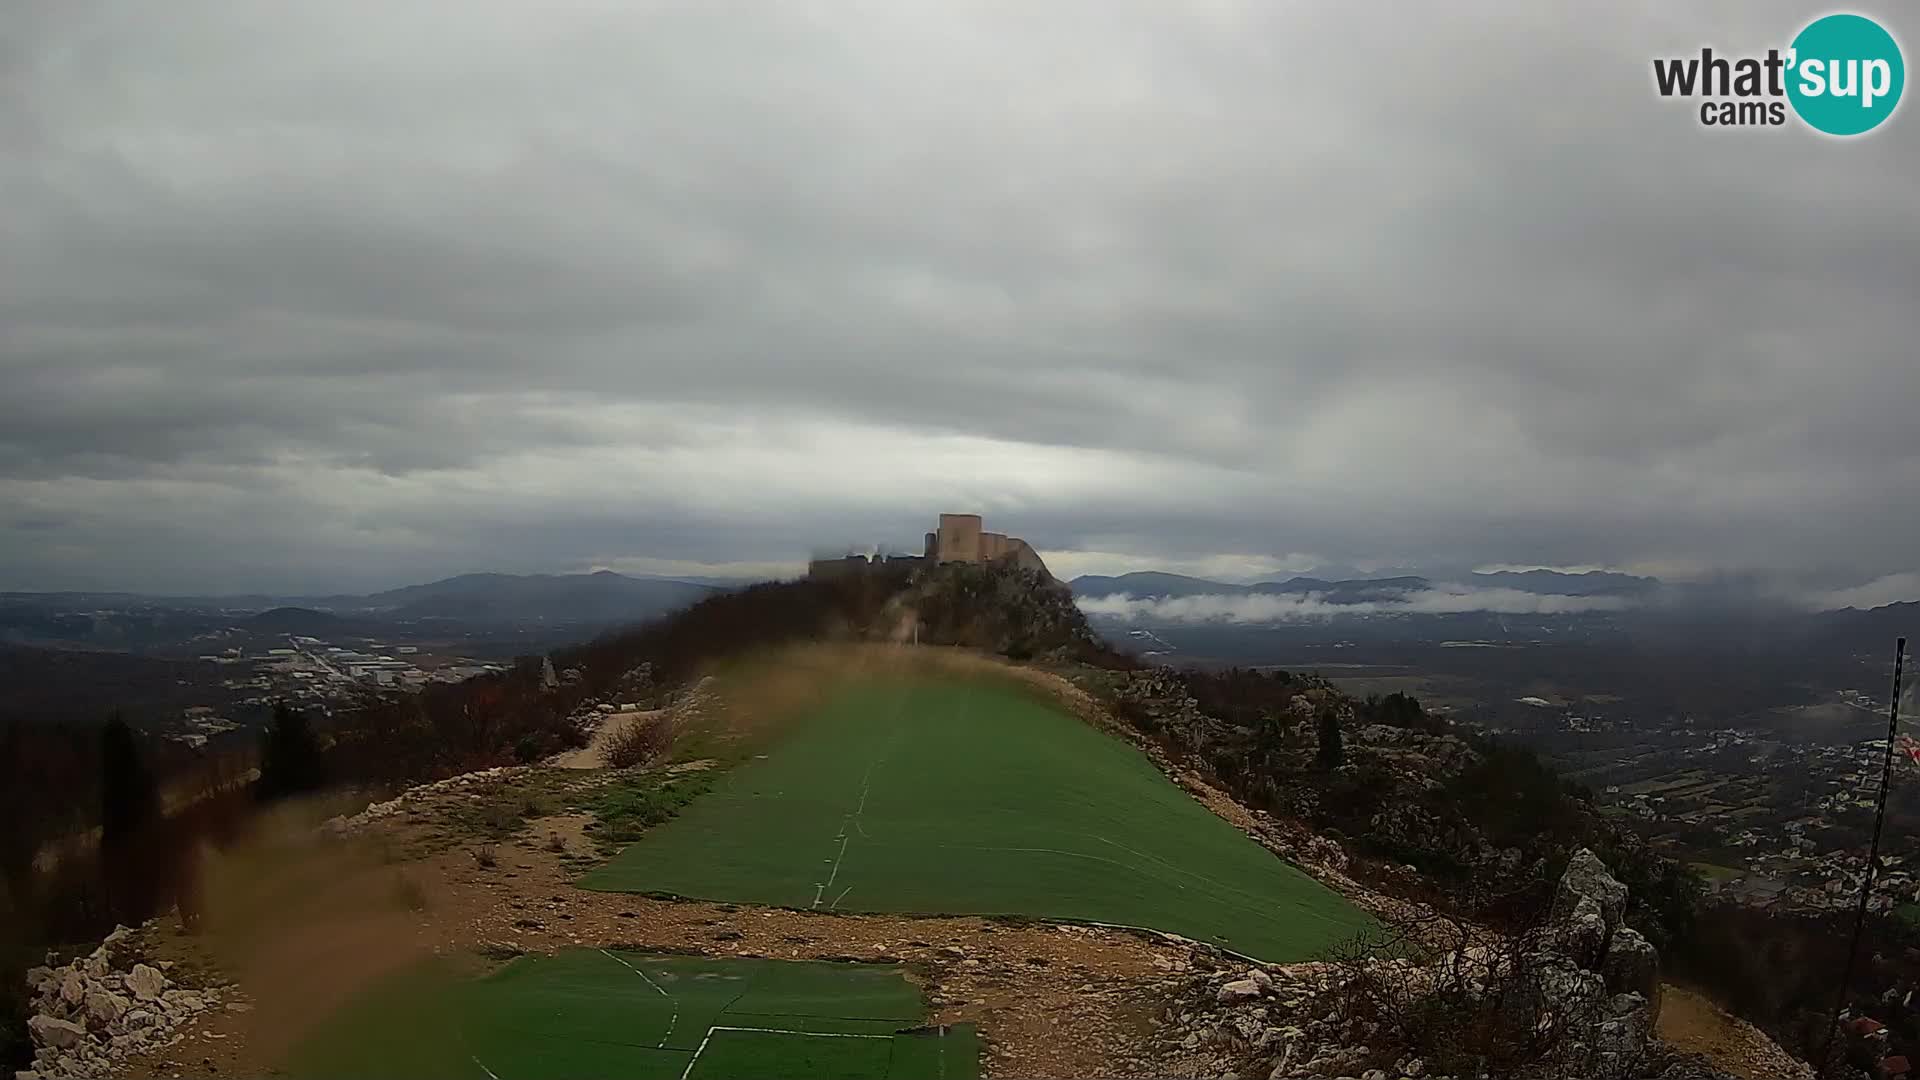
{"x": 340, "y": 295}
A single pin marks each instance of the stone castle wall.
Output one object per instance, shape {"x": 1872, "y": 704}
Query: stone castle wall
{"x": 959, "y": 538}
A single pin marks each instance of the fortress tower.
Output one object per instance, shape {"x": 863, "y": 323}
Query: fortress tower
{"x": 959, "y": 538}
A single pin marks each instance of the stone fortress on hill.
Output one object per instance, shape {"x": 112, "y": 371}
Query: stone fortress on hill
{"x": 959, "y": 538}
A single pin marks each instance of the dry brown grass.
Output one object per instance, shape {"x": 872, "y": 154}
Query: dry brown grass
{"x": 639, "y": 742}
{"x": 758, "y": 694}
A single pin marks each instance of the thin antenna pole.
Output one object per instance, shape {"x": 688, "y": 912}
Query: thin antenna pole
{"x": 1873, "y": 856}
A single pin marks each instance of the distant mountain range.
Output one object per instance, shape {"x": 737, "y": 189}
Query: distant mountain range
{"x": 603, "y": 597}
{"x": 1154, "y": 585}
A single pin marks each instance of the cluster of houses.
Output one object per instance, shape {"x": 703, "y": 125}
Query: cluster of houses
{"x": 314, "y": 662}
{"x": 1801, "y": 877}
{"x": 1795, "y": 863}
{"x": 201, "y": 723}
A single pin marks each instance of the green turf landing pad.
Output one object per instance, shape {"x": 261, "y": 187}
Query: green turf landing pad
{"x": 594, "y": 1013}
{"x": 731, "y": 1053}
{"x": 564, "y": 1059}
{"x": 939, "y": 797}
{"x": 949, "y": 1053}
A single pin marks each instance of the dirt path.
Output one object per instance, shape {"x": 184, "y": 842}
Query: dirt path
{"x": 593, "y": 755}
{"x": 1691, "y": 1023}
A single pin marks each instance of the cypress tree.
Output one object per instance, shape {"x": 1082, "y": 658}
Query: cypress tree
{"x": 129, "y": 798}
{"x": 289, "y": 757}
{"x": 1332, "y": 749}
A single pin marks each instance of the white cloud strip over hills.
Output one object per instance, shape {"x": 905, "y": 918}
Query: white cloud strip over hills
{"x": 1441, "y": 599}
{"x": 1888, "y": 589}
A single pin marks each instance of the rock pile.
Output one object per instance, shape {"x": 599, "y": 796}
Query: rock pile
{"x": 695, "y": 701}
{"x": 1279, "y": 1022}
{"x": 632, "y": 690}
{"x": 1582, "y": 993}
{"x": 343, "y": 824}
{"x": 90, "y": 1015}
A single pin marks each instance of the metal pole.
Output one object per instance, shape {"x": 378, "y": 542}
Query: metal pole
{"x": 1873, "y": 856}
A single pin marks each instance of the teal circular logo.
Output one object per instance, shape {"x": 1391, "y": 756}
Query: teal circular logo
{"x": 1846, "y": 74}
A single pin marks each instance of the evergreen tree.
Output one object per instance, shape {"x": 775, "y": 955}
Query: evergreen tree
{"x": 129, "y": 799}
{"x": 1332, "y": 750}
{"x": 289, "y": 756}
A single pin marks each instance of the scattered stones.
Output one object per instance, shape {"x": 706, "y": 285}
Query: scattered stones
{"x": 1586, "y": 974}
{"x": 406, "y": 800}
{"x": 105, "y": 1006}
{"x": 146, "y": 982}
{"x": 56, "y": 1033}
{"x": 1238, "y": 990}
{"x": 89, "y": 1016}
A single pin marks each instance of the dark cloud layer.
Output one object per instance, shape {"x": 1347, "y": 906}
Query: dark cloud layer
{"x": 341, "y": 295}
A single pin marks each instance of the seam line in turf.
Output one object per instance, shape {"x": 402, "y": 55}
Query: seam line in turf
{"x": 672, "y": 1022}
{"x": 866, "y": 783}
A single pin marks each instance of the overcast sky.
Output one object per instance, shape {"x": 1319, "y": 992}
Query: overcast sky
{"x": 343, "y": 295}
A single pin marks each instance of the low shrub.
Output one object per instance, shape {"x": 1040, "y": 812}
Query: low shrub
{"x": 639, "y": 743}
{"x": 1502, "y": 1007}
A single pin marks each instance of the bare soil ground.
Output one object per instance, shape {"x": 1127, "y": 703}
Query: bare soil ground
{"x": 1693, "y": 1024}
{"x": 1048, "y": 1000}
{"x": 300, "y": 923}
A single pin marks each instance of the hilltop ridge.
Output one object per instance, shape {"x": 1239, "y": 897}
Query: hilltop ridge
{"x": 1388, "y": 805}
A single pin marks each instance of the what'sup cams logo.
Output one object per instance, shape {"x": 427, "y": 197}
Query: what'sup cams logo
{"x": 1842, "y": 76}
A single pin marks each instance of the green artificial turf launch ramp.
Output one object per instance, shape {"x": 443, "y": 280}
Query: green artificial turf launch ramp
{"x": 946, "y": 797}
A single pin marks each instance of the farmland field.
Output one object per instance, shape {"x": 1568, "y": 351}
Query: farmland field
{"x": 945, "y": 797}
{"x": 591, "y": 1012}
